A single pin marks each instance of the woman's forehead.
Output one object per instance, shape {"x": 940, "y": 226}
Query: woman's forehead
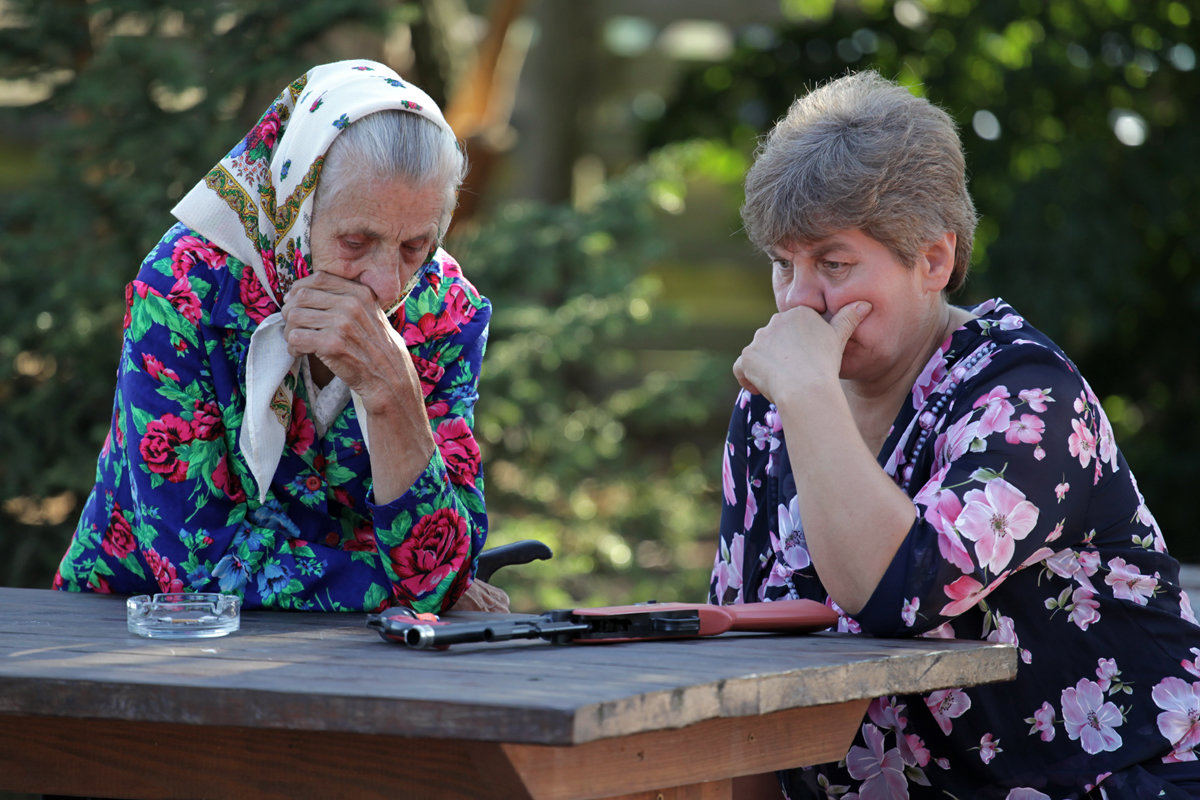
{"x": 384, "y": 207}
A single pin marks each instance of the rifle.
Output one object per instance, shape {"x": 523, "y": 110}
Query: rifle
{"x": 608, "y": 624}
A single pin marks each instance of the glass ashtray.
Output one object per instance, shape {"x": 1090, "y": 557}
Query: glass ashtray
{"x": 183, "y": 615}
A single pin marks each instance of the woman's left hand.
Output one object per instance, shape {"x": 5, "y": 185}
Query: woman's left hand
{"x": 481, "y": 596}
{"x": 796, "y": 347}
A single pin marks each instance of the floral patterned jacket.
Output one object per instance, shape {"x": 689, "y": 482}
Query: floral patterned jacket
{"x": 173, "y": 508}
{"x": 1031, "y": 531}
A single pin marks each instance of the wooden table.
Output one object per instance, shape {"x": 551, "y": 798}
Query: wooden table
{"x": 317, "y": 705}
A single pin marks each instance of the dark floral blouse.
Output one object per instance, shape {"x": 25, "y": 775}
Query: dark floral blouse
{"x": 1030, "y": 530}
{"x": 174, "y": 508}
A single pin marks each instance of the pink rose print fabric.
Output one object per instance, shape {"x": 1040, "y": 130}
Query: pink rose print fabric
{"x": 1030, "y": 531}
{"x": 169, "y": 511}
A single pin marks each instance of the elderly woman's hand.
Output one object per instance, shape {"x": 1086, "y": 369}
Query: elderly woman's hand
{"x": 339, "y": 321}
{"x": 481, "y": 596}
{"x": 796, "y": 347}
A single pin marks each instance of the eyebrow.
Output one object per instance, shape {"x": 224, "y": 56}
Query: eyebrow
{"x": 831, "y": 246}
{"x": 820, "y": 250}
{"x": 369, "y": 233}
{"x": 428, "y": 236}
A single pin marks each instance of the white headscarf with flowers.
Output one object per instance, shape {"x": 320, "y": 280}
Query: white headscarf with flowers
{"x": 256, "y": 204}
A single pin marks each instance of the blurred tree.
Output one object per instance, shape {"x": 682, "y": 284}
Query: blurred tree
{"x": 588, "y": 439}
{"x": 141, "y": 99}
{"x": 588, "y": 428}
{"x": 1079, "y": 119}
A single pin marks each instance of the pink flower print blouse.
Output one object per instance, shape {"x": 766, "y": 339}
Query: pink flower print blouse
{"x": 1030, "y": 531}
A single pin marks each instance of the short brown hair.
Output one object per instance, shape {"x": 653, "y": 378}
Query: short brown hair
{"x": 862, "y": 152}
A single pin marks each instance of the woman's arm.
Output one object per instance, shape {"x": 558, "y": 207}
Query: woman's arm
{"x": 854, "y": 515}
{"x": 426, "y": 496}
{"x": 441, "y": 518}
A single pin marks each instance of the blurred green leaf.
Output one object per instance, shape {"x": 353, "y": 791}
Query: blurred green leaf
{"x": 1085, "y": 181}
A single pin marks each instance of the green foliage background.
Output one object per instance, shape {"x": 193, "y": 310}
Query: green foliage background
{"x": 606, "y": 384}
{"x": 95, "y": 171}
{"x": 1092, "y": 239}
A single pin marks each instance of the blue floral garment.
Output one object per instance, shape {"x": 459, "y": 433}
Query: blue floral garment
{"x": 174, "y": 508}
{"x": 1031, "y": 531}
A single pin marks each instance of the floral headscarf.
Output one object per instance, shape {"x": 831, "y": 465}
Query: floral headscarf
{"x": 256, "y": 204}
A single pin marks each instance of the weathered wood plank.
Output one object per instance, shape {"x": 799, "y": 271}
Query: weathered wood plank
{"x": 140, "y": 760}
{"x": 584, "y": 704}
{"x": 169, "y": 761}
{"x": 787, "y": 738}
{"x": 329, "y": 672}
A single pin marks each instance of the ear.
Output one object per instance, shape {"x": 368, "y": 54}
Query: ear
{"x": 938, "y": 262}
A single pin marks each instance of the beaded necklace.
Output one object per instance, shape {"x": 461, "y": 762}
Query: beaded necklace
{"x": 929, "y": 419}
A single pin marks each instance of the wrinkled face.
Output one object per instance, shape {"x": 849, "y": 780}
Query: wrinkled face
{"x": 848, "y": 266}
{"x": 378, "y": 232}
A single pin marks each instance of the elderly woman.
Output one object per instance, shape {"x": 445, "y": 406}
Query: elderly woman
{"x": 296, "y": 388}
{"x": 933, "y": 470}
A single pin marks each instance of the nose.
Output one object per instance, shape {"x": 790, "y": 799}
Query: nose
{"x": 382, "y": 275}
{"x": 803, "y": 289}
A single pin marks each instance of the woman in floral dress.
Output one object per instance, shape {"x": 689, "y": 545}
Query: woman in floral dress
{"x": 296, "y": 386}
{"x": 930, "y": 470}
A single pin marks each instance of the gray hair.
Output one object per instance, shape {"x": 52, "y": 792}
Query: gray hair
{"x": 862, "y": 152}
{"x": 394, "y": 144}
